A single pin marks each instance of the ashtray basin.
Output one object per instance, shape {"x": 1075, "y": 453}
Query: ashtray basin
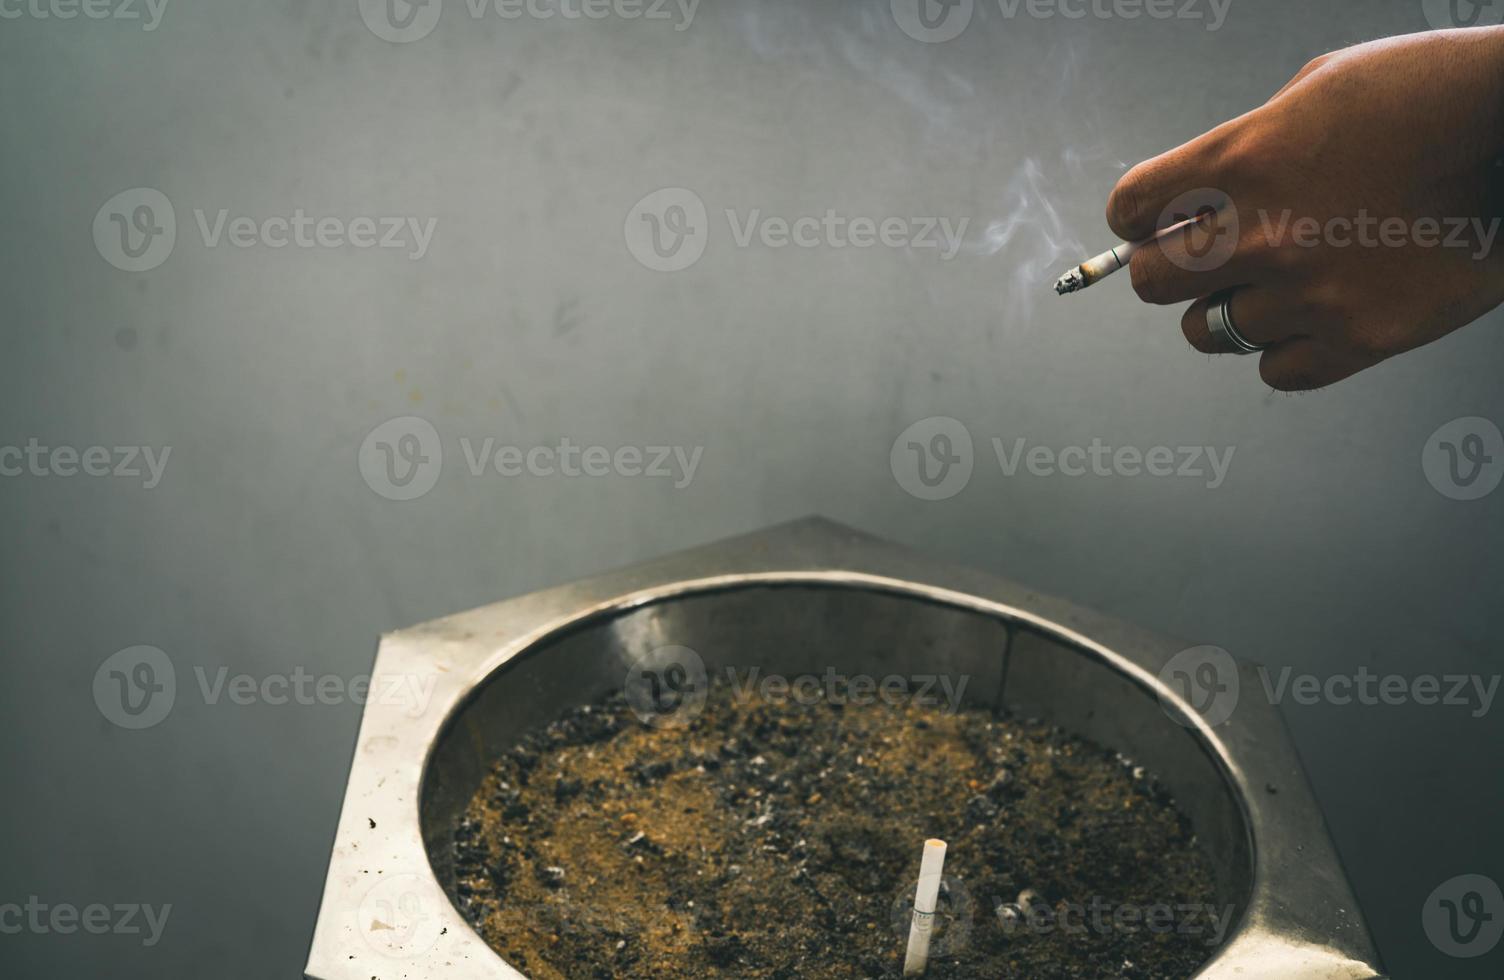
{"x": 449, "y": 696}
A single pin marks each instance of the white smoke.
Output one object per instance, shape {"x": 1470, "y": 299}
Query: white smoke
{"x": 1019, "y": 222}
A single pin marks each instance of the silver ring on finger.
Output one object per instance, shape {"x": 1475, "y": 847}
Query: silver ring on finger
{"x": 1224, "y": 331}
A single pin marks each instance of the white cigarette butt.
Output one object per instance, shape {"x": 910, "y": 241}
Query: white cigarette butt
{"x": 931, "y": 869}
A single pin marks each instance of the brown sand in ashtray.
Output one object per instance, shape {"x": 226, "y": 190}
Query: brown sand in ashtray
{"x": 782, "y": 840}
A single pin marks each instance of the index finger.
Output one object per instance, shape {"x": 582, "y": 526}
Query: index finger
{"x": 1135, "y": 209}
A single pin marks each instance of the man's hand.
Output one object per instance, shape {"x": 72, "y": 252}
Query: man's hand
{"x": 1359, "y": 209}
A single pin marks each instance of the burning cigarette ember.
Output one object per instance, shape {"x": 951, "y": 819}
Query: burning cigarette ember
{"x": 1099, "y": 267}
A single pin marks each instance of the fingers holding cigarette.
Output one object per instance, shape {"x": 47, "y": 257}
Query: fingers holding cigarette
{"x": 1137, "y": 205}
{"x": 1196, "y": 259}
{"x": 1375, "y": 223}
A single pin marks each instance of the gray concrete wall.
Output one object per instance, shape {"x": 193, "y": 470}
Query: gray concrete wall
{"x": 528, "y": 142}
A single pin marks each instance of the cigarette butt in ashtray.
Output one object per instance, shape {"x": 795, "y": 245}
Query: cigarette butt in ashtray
{"x": 931, "y": 868}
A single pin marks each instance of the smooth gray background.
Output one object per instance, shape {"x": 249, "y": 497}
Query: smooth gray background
{"x": 264, "y": 550}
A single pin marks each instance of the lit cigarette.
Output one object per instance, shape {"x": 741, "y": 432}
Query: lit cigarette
{"x": 930, "y": 868}
{"x": 1099, "y": 267}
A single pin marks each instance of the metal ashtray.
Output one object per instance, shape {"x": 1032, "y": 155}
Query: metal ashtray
{"x": 449, "y": 696}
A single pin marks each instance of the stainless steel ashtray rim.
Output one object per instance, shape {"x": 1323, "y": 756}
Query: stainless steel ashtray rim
{"x": 380, "y": 849}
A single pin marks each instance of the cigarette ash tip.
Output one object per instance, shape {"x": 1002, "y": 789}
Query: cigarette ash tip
{"x": 1070, "y": 282}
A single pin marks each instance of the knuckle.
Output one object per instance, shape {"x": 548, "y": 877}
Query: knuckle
{"x": 1316, "y": 63}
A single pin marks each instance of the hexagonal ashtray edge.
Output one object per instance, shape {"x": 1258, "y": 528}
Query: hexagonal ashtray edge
{"x": 385, "y": 913}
